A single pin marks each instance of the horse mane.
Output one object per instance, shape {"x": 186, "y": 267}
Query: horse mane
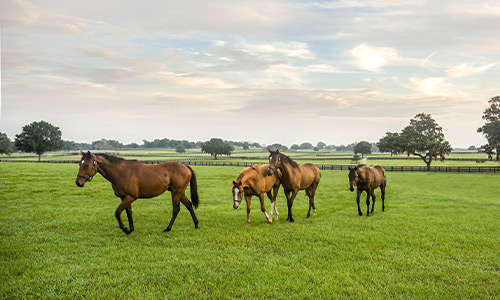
{"x": 112, "y": 158}
{"x": 289, "y": 161}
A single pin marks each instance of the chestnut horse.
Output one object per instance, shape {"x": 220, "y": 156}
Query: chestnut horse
{"x": 254, "y": 181}
{"x": 131, "y": 179}
{"x": 368, "y": 178}
{"x": 295, "y": 177}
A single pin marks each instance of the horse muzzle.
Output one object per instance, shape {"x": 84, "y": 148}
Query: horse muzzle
{"x": 236, "y": 205}
{"x": 80, "y": 182}
{"x": 270, "y": 171}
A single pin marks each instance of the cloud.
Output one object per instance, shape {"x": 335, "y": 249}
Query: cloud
{"x": 98, "y": 52}
{"x": 289, "y": 49}
{"x": 372, "y": 58}
{"x": 465, "y": 70}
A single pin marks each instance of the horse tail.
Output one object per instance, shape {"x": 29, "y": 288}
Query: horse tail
{"x": 194, "y": 189}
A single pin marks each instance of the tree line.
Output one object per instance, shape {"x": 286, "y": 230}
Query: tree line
{"x": 423, "y": 138}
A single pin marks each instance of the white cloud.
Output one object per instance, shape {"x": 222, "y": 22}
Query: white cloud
{"x": 465, "y": 70}
{"x": 289, "y": 49}
{"x": 372, "y": 58}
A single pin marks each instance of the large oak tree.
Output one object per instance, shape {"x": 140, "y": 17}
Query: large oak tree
{"x": 423, "y": 138}
{"x": 39, "y": 137}
{"x": 491, "y": 129}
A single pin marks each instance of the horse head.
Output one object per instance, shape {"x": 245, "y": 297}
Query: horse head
{"x": 237, "y": 193}
{"x": 274, "y": 162}
{"x": 353, "y": 178}
{"x": 88, "y": 168}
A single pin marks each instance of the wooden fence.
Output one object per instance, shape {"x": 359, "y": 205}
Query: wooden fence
{"x": 441, "y": 169}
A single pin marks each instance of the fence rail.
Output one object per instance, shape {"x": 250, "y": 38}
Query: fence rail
{"x": 440, "y": 169}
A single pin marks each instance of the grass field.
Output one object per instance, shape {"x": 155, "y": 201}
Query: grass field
{"x": 439, "y": 238}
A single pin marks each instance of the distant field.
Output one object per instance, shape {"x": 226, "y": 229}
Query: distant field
{"x": 438, "y": 239}
{"x": 261, "y": 156}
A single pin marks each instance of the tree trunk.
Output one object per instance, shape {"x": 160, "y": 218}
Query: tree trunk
{"x": 428, "y": 163}
{"x": 39, "y": 157}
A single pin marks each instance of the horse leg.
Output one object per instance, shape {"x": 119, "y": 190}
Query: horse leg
{"x": 248, "y": 200}
{"x": 373, "y": 200}
{"x": 311, "y": 191}
{"x": 382, "y": 188}
{"x": 176, "y": 205}
{"x": 290, "y": 204}
{"x": 130, "y": 219}
{"x": 189, "y": 206}
{"x": 368, "y": 194}
{"x": 263, "y": 208}
{"x": 126, "y": 204}
{"x": 273, "y": 200}
{"x": 308, "y": 193}
{"x": 269, "y": 195}
{"x": 358, "y": 191}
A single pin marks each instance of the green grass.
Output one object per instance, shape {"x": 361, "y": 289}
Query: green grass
{"x": 438, "y": 239}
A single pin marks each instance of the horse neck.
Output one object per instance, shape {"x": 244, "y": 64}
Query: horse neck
{"x": 247, "y": 177}
{"x": 286, "y": 170}
{"x": 107, "y": 169}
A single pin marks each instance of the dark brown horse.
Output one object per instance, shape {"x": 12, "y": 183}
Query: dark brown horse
{"x": 295, "y": 177}
{"x": 254, "y": 181}
{"x": 368, "y": 178}
{"x": 131, "y": 179}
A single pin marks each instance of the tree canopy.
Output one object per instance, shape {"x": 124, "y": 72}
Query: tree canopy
{"x": 491, "y": 129}
{"x": 363, "y": 147}
{"x": 216, "y": 147}
{"x": 5, "y": 144}
{"x": 423, "y": 138}
{"x": 39, "y": 137}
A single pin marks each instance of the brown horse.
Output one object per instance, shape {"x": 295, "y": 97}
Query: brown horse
{"x": 254, "y": 181}
{"x": 295, "y": 177}
{"x": 367, "y": 178}
{"x": 131, "y": 179}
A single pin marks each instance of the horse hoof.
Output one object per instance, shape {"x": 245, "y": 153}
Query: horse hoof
{"x": 291, "y": 220}
{"x": 360, "y": 213}
{"x": 167, "y": 229}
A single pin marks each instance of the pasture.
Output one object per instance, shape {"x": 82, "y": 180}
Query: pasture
{"x": 439, "y": 238}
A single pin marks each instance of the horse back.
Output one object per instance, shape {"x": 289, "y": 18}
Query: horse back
{"x": 310, "y": 174}
{"x": 154, "y": 180}
{"x": 378, "y": 174}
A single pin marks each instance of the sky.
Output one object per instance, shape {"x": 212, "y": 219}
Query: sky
{"x": 263, "y": 71}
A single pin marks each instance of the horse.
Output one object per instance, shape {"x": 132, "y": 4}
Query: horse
{"x": 368, "y": 178}
{"x": 295, "y": 177}
{"x": 131, "y": 179}
{"x": 254, "y": 181}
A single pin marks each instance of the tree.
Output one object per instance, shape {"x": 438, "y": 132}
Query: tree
{"x": 491, "y": 129}
{"x": 363, "y": 147}
{"x": 295, "y": 147}
{"x": 39, "y": 137}
{"x": 306, "y": 146}
{"x": 321, "y": 145}
{"x": 180, "y": 149}
{"x": 216, "y": 147}
{"x": 423, "y": 138}
{"x": 246, "y": 146}
{"x": 389, "y": 143}
{"x": 277, "y": 146}
{"x": 5, "y": 144}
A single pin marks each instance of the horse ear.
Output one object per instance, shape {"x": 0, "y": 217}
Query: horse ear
{"x": 349, "y": 168}
{"x": 234, "y": 182}
{"x": 81, "y": 152}
{"x": 269, "y": 150}
{"x": 277, "y": 151}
